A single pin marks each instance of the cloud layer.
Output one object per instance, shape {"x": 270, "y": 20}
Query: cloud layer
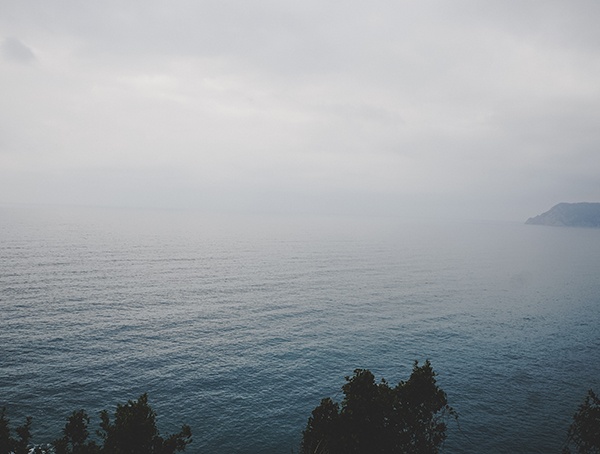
{"x": 484, "y": 109}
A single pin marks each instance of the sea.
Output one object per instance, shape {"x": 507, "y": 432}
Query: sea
{"x": 238, "y": 325}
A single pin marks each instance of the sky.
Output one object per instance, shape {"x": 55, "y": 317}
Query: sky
{"x": 433, "y": 108}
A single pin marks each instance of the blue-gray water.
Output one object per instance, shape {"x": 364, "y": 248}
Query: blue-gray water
{"x": 239, "y": 326}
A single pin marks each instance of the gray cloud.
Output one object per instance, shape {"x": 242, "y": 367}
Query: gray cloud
{"x": 485, "y": 107}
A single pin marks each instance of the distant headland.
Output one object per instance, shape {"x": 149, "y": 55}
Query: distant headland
{"x": 582, "y": 214}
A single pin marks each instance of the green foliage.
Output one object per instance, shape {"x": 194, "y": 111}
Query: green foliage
{"x": 376, "y": 418}
{"x": 584, "y": 431}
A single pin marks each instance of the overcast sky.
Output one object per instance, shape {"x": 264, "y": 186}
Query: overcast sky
{"x": 484, "y": 109}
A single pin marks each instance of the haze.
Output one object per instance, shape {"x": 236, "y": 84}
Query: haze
{"x": 486, "y": 110}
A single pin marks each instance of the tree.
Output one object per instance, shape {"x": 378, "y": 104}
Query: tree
{"x": 321, "y": 434}
{"x": 75, "y": 434}
{"x": 8, "y": 444}
{"x": 5, "y": 440}
{"x": 21, "y": 445}
{"x": 584, "y": 431}
{"x": 376, "y": 418}
{"x": 134, "y": 431}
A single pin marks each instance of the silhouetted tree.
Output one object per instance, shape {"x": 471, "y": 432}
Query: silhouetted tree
{"x": 322, "y": 430}
{"x": 377, "y": 419}
{"x": 75, "y": 434}
{"x": 134, "y": 431}
{"x": 584, "y": 431}
{"x": 5, "y": 439}
{"x": 21, "y": 445}
{"x": 10, "y": 445}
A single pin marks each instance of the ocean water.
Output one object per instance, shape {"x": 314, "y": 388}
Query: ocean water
{"x": 238, "y": 326}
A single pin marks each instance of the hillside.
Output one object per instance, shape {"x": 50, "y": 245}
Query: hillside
{"x": 569, "y": 215}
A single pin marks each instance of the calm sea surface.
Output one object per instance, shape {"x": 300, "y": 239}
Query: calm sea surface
{"x": 239, "y": 326}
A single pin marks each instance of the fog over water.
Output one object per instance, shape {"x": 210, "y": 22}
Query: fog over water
{"x": 232, "y": 205}
{"x": 238, "y": 326}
